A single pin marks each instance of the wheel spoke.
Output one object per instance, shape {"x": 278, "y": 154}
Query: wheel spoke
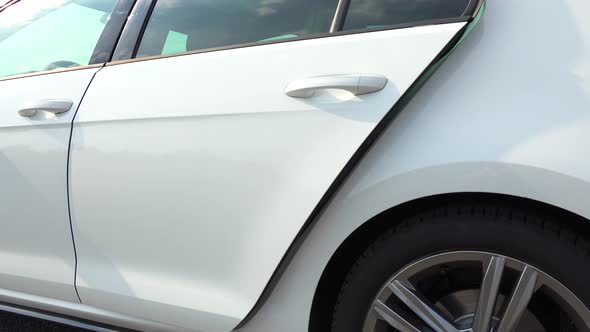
{"x": 488, "y": 294}
{"x": 408, "y": 295}
{"x": 449, "y": 301}
{"x": 393, "y": 319}
{"x": 522, "y": 294}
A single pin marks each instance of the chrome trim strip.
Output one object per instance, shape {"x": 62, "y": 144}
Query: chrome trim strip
{"x": 48, "y": 72}
{"x": 462, "y": 19}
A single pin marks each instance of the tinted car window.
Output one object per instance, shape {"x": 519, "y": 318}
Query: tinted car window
{"x": 377, "y": 13}
{"x": 38, "y": 35}
{"x": 186, "y": 25}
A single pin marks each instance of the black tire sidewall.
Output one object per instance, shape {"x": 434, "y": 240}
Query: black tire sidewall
{"x": 528, "y": 243}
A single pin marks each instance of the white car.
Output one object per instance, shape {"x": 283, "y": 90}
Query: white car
{"x": 296, "y": 165}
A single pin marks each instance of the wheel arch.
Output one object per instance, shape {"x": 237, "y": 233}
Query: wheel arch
{"x": 354, "y": 245}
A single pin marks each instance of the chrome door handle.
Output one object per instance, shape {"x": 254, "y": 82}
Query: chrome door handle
{"x": 356, "y": 84}
{"x": 54, "y": 106}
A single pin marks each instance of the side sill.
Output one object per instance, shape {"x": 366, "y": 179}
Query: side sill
{"x": 75, "y": 314}
{"x": 61, "y": 319}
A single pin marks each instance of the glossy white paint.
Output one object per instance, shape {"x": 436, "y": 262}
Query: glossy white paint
{"x": 191, "y": 175}
{"x": 492, "y": 119}
{"x": 36, "y": 249}
{"x": 508, "y": 113}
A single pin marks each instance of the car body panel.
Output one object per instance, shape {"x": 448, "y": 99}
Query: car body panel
{"x": 183, "y": 207}
{"x": 36, "y": 249}
{"x": 508, "y": 113}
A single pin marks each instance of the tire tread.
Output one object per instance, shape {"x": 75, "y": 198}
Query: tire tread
{"x": 494, "y": 213}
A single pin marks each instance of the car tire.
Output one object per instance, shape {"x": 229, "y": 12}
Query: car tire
{"x": 519, "y": 234}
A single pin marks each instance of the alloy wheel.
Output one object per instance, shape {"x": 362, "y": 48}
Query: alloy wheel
{"x": 470, "y": 291}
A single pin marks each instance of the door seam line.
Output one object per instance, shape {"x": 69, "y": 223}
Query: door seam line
{"x": 68, "y": 182}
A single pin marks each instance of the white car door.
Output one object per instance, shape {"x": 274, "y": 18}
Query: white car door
{"x": 192, "y": 173}
{"x": 38, "y": 99}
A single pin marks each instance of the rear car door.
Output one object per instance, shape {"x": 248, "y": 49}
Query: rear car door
{"x": 46, "y": 51}
{"x": 198, "y": 157}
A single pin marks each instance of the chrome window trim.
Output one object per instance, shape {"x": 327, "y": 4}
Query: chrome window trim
{"x": 138, "y": 15}
{"x": 49, "y": 72}
{"x": 132, "y": 34}
{"x": 290, "y": 40}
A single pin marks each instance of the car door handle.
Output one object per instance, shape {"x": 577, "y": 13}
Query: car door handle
{"x": 54, "y": 106}
{"x": 356, "y": 84}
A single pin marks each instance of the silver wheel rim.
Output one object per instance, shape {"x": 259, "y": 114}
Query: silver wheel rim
{"x": 502, "y": 295}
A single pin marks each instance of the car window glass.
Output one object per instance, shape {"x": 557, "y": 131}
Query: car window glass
{"x": 217, "y": 23}
{"x": 175, "y": 43}
{"x": 364, "y": 14}
{"x": 39, "y": 35}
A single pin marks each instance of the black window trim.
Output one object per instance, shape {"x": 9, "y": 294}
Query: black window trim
{"x": 115, "y": 61}
{"x": 132, "y": 33}
{"x": 138, "y": 19}
{"x": 109, "y": 38}
{"x": 104, "y": 47}
{"x": 121, "y": 38}
{"x": 340, "y": 16}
